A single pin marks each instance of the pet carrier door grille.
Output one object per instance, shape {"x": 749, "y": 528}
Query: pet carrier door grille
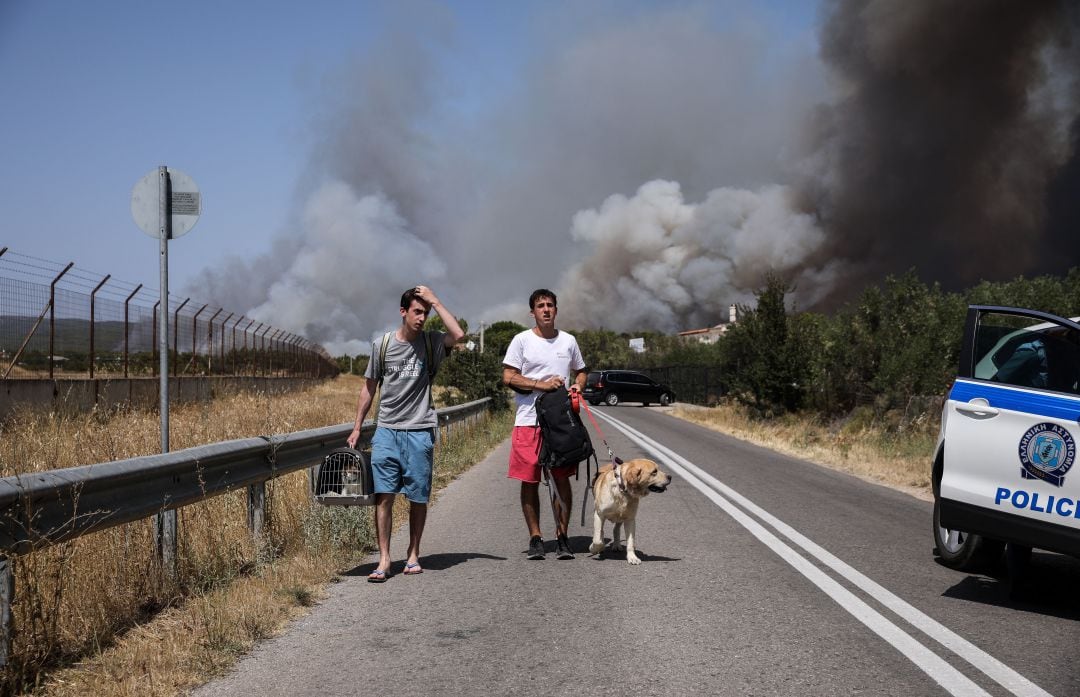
{"x": 343, "y": 479}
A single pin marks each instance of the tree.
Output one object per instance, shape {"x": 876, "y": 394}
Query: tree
{"x": 434, "y": 323}
{"x": 497, "y": 337}
{"x": 476, "y": 375}
{"x": 764, "y": 361}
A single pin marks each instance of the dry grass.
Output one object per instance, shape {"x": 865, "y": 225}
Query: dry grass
{"x": 99, "y": 606}
{"x": 890, "y": 450}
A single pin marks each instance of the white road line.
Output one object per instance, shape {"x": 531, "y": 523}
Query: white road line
{"x": 992, "y": 667}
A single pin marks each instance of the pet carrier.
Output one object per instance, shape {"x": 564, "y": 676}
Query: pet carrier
{"x": 343, "y": 479}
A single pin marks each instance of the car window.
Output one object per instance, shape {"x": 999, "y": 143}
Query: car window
{"x": 1027, "y": 352}
{"x": 592, "y": 378}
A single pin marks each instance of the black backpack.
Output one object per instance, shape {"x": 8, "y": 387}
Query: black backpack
{"x": 564, "y": 440}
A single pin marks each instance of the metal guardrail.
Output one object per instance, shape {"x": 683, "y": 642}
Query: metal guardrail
{"x": 40, "y": 509}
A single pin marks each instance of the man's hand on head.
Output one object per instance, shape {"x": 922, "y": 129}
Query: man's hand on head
{"x": 426, "y": 294}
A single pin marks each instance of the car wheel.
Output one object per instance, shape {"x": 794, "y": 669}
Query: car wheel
{"x": 611, "y": 399}
{"x": 964, "y": 551}
{"x": 665, "y": 399}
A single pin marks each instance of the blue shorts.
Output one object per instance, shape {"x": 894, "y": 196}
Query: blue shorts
{"x": 401, "y": 462}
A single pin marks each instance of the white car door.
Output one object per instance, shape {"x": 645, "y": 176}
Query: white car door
{"x": 1011, "y": 422}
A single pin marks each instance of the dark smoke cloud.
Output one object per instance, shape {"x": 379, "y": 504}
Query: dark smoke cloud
{"x": 952, "y": 123}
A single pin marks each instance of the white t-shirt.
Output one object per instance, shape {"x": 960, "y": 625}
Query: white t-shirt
{"x": 538, "y": 358}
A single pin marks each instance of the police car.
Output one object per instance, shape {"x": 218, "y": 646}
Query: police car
{"x": 1001, "y": 475}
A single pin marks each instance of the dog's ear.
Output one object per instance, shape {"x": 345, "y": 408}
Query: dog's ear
{"x": 633, "y": 473}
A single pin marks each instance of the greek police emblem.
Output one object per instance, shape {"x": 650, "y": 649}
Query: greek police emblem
{"x": 1047, "y": 452}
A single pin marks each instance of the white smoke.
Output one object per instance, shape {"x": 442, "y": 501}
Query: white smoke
{"x": 601, "y": 105}
{"x": 659, "y": 262}
{"x": 343, "y": 283}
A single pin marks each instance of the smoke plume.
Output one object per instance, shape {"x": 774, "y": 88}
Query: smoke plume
{"x": 666, "y": 264}
{"x": 951, "y": 123}
{"x": 653, "y": 167}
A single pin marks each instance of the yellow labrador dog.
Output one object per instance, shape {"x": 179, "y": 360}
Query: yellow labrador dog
{"x": 616, "y": 493}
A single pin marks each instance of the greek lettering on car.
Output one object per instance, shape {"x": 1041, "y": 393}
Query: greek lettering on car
{"x": 1047, "y": 452}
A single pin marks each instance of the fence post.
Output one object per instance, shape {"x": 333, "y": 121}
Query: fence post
{"x": 262, "y": 349}
{"x": 194, "y": 334}
{"x": 93, "y": 293}
{"x": 176, "y": 338}
{"x": 154, "y": 341}
{"x": 210, "y": 343}
{"x": 245, "y": 333}
{"x": 255, "y": 350}
{"x": 223, "y": 323}
{"x": 52, "y": 315}
{"x": 7, "y": 595}
{"x": 126, "y": 329}
{"x": 238, "y": 321}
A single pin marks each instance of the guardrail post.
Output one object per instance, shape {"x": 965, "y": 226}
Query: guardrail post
{"x": 257, "y": 512}
{"x": 7, "y": 595}
{"x": 165, "y": 539}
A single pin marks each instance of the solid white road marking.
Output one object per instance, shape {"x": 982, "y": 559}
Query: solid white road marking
{"x": 946, "y": 675}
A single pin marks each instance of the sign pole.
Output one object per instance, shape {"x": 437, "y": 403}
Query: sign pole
{"x": 163, "y": 327}
{"x": 166, "y": 520}
{"x": 165, "y": 204}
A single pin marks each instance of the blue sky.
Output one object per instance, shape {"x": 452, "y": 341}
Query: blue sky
{"x": 96, "y": 95}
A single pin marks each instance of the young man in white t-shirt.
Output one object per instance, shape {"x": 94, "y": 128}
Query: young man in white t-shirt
{"x": 539, "y": 360}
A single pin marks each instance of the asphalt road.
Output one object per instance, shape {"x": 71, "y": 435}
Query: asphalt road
{"x": 762, "y": 575}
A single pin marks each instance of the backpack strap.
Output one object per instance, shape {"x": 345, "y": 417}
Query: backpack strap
{"x": 429, "y": 364}
{"x": 380, "y": 369}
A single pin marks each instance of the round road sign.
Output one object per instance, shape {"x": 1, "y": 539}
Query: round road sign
{"x": 185, "y": 203}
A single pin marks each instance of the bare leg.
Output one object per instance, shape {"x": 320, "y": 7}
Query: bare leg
{"x": 530, "y": 506}
{"x": 563, "y": 507}
{"x": 417, "y": 518}
{"x": 384, "y": 514}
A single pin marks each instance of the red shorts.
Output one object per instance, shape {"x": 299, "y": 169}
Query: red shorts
{"x": 525, "y": 455}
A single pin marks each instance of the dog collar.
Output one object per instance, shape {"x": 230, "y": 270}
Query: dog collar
{"x": 615, "y": 465}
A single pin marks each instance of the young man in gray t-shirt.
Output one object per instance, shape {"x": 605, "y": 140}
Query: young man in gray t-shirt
{"x": 402, "y": 448}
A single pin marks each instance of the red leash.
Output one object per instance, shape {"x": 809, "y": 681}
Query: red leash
{"x": 575, "y": 402}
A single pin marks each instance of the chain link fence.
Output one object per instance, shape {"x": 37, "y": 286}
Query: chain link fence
{"x": 62, "y": 321}
{"x": 692, "y": 384}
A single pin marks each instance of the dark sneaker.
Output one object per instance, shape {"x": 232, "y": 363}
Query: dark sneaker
{"x": 536, "y": 548}
{"x": 562, "y": 547}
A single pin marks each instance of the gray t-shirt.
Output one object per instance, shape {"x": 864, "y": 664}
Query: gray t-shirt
{"x": 404, "y": 401}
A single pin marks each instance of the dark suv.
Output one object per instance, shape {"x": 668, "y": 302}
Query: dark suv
{"x": 614, "y": 386}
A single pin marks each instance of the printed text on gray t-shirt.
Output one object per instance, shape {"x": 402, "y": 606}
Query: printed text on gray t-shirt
{"x": 403, "y": 398}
